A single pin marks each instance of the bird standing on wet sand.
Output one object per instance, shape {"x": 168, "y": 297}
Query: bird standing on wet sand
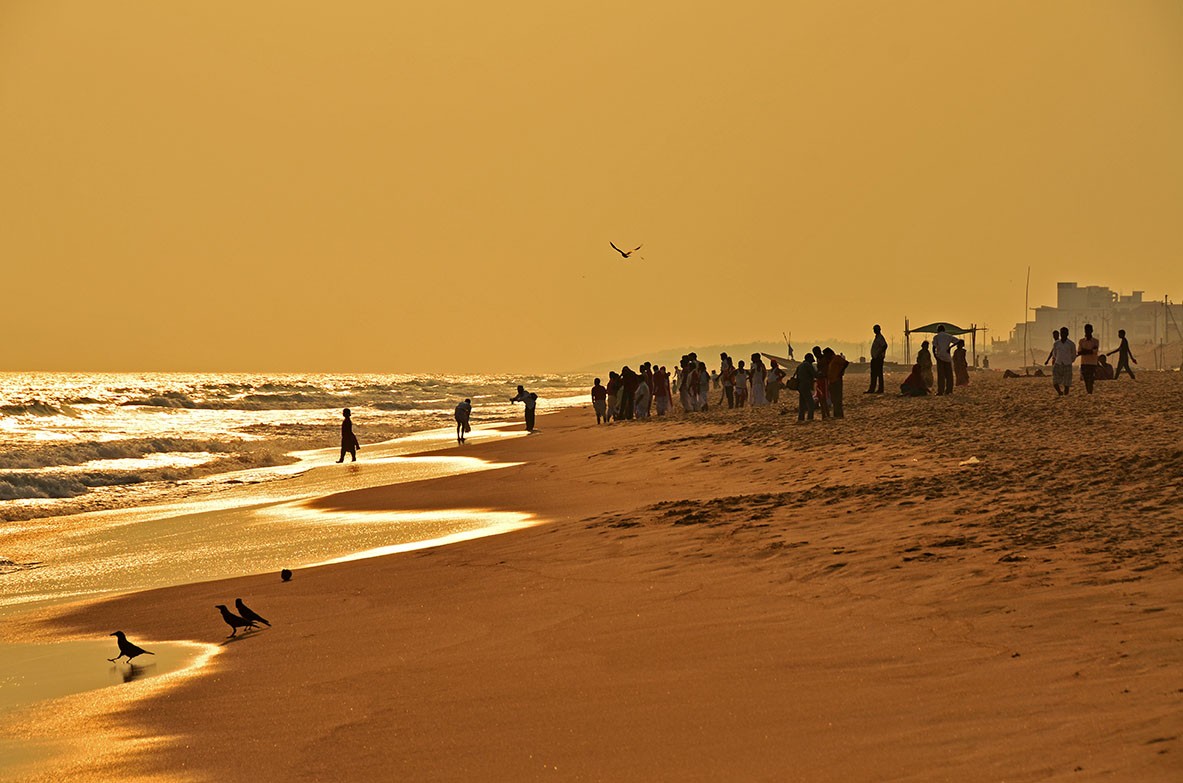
{"x": 625, "y": 253}
{"x": 234, "y": 621}
{"x": 127, "y": 648}
{"x": 249, "y": 614}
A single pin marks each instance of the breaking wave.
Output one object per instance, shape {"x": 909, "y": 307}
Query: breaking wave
{"x": 61, "y": 454}
{"x": 38, "y": 408}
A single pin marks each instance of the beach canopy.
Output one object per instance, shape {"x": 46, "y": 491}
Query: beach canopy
{"x": 932, "y": 328}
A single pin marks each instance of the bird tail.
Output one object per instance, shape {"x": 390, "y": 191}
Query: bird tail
{"x": 148, "y": 653}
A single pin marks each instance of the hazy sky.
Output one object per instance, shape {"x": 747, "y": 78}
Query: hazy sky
{"x": 432, "y": 186}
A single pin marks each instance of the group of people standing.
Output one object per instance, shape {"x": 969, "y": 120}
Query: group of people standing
{"x": 1093, "y": 366}
{"x": 952, "y": 366}
{"x": 747, "y": 383}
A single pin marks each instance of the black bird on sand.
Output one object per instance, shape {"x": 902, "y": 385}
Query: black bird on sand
{"x": 127, "y": 648}
{"x": 249, "y": 614}
{"x": 625, "y": 253}
{"x": 234, "y": 621}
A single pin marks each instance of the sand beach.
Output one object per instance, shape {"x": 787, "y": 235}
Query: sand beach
{"x": 980, "y": 587}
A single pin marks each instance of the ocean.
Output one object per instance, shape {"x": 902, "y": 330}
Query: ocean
{"x": 84, "y": 442}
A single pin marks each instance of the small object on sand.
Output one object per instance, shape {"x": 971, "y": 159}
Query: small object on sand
{"x": 127, "y": 648}
{"x": 286, "y": 575}
{"x": 234, "y": 621}
{"x": 249, "y": 614}
{"x": 970, "y": 461}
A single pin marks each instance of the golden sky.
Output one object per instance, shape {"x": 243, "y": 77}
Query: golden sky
{"x": 432, "y": 186}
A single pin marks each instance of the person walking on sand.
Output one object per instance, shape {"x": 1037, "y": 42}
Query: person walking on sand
{"x": 878, "y": 357}
{"x": 599, "y": 397}
{"x": 924, "y": 360}
{"x": 960, "y": 365}
{"x": 462, "y": 414}
{"x": 1089, "y": 350}
{"x": 942, "y": 344}
{"x": 1063, "y": 355}
{"x": 1124, "y": 356}
{"x": 349, "y": 444}
{"x": 529, "y": 400}
{"x": 806, "y": 375}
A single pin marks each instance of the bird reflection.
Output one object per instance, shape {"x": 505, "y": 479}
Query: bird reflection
{"x": 134, "y": 671}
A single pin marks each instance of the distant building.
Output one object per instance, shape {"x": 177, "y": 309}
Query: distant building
{"x": 1146, "y": 323}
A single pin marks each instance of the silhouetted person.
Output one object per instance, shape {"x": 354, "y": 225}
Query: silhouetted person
{"x": 806, "y": 376}
{"x": 1124, "y": 356}
{"x": 599, "y": 398}
{"x": 1089, "y": 350}
{"x": 942, "y": 351}
{"x": 249, "y": 614}
{"x": 234, "y": 621}
{"x": 126, "y": 648}
{"x": 286, "y": 575}
{"x": 530, "y": 400}
{"x": 878, "y": 356}
{"x": 462, "y": 415}
{"x": 1062, "y": 357}
{"x": 349, "y": 444}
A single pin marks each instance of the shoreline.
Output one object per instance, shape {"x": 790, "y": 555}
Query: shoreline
{"x": 702, "y": 600}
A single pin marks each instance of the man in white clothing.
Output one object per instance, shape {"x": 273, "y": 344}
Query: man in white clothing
{"x": 1063, "y": 355}
{"x": 942, "y": 345}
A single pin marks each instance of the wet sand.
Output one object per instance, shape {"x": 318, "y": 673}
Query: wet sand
{"x": 728, "y": 596}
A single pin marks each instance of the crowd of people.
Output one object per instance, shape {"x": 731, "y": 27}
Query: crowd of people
{"x": 638, "y": 394}
{"x": 818, "y": 381}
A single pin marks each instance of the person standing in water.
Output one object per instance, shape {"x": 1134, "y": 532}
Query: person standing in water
{"x": 530, "y": 400}
{"x": 463, "y": 413}
{"x": 349, "y": 444}
{"x": 1124, "y": 356}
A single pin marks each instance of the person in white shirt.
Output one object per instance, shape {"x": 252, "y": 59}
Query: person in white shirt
{"x": 942, "y": 344}
{"x": 1064, "y": 354}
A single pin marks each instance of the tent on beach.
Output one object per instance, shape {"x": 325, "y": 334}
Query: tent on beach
{"x": 950, "y": 328}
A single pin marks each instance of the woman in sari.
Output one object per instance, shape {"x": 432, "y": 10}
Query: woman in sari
{"x": 757, "y": 376}
{"x": 913, "y": 385}
{"x": 924, "y": 361}
{"x": 960, "y": 366}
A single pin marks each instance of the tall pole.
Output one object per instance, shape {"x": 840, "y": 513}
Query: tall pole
{"x": 1026, "y": 329}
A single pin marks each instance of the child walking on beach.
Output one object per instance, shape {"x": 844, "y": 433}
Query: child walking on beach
{"x": 349, "y": 444}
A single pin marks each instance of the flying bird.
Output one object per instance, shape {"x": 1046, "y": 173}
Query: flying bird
{"x": 249, "y": 614}
{"x": 234, "y": 621}
{"x": 127, "y": 648}
{"x": 625, "y": 253}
